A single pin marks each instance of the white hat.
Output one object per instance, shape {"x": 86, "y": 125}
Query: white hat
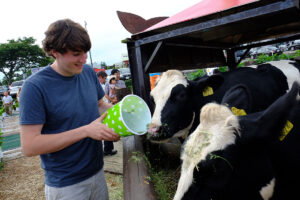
{"x": 110, "y": 77}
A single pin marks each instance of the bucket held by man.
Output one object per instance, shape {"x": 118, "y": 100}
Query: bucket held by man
{"x": 131, "y": 116}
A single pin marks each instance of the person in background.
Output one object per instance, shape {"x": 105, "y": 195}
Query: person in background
{"x": 112, "y": 88}
{"x": 7, "y": 102}
{"x": 119, "y": 84}
{"x": 108, "y": 145}
{"x": 60, "y": 118}
{"x": 102, "y": 79}
{"x": 18, "y": 95}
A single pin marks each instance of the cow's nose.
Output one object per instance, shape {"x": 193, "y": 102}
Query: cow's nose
{"x": 153, "y": 129}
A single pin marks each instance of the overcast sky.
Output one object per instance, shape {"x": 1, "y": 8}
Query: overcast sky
{"x": 31, "y": 18}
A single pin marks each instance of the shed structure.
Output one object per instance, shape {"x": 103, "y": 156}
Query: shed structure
{"x": 198, "y": 36}
{"x": 207, "y": 35}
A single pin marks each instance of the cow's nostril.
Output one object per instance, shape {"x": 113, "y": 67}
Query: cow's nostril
{"x": 153, "y": 129}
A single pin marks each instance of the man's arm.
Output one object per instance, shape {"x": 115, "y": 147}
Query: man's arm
{"x": 34, "y": 143}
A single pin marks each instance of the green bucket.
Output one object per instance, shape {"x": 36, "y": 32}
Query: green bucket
{"x": 130, "y": 116}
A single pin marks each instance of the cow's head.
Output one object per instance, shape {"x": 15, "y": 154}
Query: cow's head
{"x": 172, "y": 112}
{"x": 225, "y": 149}
{"x": 176, "y": 102}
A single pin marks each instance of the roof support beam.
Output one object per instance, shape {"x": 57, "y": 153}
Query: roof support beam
{"x": 270, "y": 41}
{"x": 243, "y": 56}
{"x": 193, "y": 46}
{"x": 231, "y": 62}
{"x": 157, "y": 48}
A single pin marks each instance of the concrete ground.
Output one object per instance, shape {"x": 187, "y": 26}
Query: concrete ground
{"x": 114, "y": 164}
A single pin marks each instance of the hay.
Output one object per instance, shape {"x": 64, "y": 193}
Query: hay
{"x": 115, "y": 186}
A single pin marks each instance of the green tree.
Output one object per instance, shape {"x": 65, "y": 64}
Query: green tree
{"x": 195, "y": 75}
{"x": 103, "y": 64}
{"x": 17, "y": 57}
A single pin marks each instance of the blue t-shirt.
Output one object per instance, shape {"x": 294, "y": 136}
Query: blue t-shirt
{"x": 61, "y": 104}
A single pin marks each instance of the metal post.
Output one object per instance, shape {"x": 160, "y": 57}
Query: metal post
{"x": 231, "y": 62}
{"x": 85, "y": 23}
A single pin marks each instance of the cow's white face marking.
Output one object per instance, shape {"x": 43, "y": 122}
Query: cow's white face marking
{"x": 162, "y": 92}
{"x": 215, "y": 132}
{"x": 184, "y": 132}
{"x": 267, "y": 191}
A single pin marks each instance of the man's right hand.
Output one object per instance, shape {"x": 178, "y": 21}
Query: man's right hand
{"x": 99, "y": 131}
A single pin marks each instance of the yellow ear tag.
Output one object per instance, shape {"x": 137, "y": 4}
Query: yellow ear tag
{"x": 287, "y": 128}
{"x": 238, "y": 112}
{"x": 208, "y": 91}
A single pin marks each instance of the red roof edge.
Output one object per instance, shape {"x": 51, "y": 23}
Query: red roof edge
{"x": 203, "y": 8}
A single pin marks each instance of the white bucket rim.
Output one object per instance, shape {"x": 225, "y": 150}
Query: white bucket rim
{"x": 121, "y": 115}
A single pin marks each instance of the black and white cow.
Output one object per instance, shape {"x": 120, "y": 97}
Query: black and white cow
{"x": 249, "y": 157}
{"x": 178, "y": 101}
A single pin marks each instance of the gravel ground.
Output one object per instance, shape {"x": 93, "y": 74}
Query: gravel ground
{"x": 23, "y": 179}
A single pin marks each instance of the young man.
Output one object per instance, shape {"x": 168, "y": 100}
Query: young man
{"x": 7, "y": 102}
{"x": 59, "y": 117}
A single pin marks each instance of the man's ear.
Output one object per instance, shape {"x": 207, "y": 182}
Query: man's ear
{"x": 209, "y": 84}
{"x": 54, "y": 53}
{"x": 239, "y": 99}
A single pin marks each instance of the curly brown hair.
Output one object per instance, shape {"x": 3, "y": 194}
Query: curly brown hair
{"x": 65, "y": 34}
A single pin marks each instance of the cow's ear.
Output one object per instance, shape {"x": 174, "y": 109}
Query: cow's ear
{"x": 239, "y": 99}
{"x": 215, "y": 81}
{"x": 209, "y": 84}
{"x": 275, "y": 117}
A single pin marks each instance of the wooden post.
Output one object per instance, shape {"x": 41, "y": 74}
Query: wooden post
{"x": 231, "y": 62}
{"x": 137, "y": 184}
{"x": 140, "y": 80}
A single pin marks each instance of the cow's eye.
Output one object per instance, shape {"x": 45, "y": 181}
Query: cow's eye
{"x": 181, "y": 96}
{"x": 178, "y": 93}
